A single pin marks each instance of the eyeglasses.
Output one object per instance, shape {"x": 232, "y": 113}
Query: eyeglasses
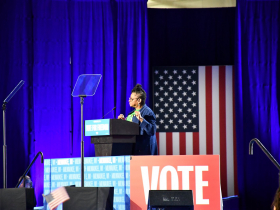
{"x": 131, "y": 99}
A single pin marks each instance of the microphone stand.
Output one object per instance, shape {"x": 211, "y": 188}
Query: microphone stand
{"x": 109, "y": 112}
{"x": 271, "y": 158}
{"x": 28, "y": 168}
{"x": 4, "y": 107}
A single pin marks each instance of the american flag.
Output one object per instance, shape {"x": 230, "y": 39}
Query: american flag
{"x": 56, "y": 197}
{"x": 194, "y": 107}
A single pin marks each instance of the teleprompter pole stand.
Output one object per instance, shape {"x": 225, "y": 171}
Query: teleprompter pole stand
{"x": 82, "y": 140}
{"x": 4, "y": 147}
{"x": 85, "y": 86}
{"x": 4, "y": 107}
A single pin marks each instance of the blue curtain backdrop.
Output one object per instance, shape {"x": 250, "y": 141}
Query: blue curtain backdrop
{"x": 16, "y": 63}
{"x": 257, "y": 99}
{"x": 48, "y": 44}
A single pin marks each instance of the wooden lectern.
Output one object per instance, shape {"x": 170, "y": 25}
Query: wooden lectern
{"x": 120, "y": 141}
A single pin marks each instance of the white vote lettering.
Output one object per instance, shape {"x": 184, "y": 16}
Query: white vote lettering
{"x": 199, "y": 183}
{"x": 174, "y": 178}
{"x": 146, "y": 181}
{"x": 185, "y": 176}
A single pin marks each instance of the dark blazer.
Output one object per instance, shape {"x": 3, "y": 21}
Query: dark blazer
{"x": 146, "y": 143}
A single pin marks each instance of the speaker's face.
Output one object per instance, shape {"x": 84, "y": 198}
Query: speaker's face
{"x": 134, "y": 100}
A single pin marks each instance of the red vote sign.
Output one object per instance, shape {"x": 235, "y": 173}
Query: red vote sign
{"x": 199, "y": 173}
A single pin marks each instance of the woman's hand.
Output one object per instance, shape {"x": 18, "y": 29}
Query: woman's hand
{"x": 121, "y": 116}
{"x": 138, "y": 115}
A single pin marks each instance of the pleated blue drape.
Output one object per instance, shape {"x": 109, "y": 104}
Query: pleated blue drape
{"x": 48, "y": 44}
{"x": 257, "y": 100}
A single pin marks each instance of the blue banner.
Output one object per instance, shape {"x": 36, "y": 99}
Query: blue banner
{"x": 99, "y": 172}
{"x": 97, "y": 127}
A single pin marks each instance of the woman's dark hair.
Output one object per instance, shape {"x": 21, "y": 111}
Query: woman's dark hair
{"x": 142, "y": 94}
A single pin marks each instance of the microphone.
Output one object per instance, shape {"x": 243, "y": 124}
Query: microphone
{"x": 109, "y": 112}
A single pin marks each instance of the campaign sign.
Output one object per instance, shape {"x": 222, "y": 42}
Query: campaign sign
{"x": 97, "y": 127}
{"x": 199, "y": 173}
{"x": 98, "y": 172}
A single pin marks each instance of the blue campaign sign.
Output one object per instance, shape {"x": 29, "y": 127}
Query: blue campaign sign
{"x": 97, "y": 127}
{"x": 111, "y": 171}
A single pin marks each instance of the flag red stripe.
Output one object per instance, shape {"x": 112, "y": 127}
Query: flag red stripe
{"x": 169, "y": 145}
{"x": 182, "y": 143}
{"x": 208, "y": 102}
{"x": 58, "y": 199}
{"x": 208, "y": 118}
{"x": 195, "y": 143}
{"x": 234, "y": 135}
{"x": 157, "y": 136}
{"x": 60, "y": 195}
{"x": 223, "y": 136}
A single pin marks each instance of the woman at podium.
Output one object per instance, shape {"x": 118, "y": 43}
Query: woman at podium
{"x": 146, "y": 143}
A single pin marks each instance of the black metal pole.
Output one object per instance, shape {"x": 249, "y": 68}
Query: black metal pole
{"x": 4, "y": 148}
{"x": 82, "y": 142}
{"x": 266, "y": 152}
{"x": 28, "y": 168}
{"x": 279, "y": 178}
{"x": 4, "y": 107}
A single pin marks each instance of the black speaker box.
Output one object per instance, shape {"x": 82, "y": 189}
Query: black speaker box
{"x": 89, "y": 198}
{"x": 170, "y": 200}
{"x": 17, "y": 199}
